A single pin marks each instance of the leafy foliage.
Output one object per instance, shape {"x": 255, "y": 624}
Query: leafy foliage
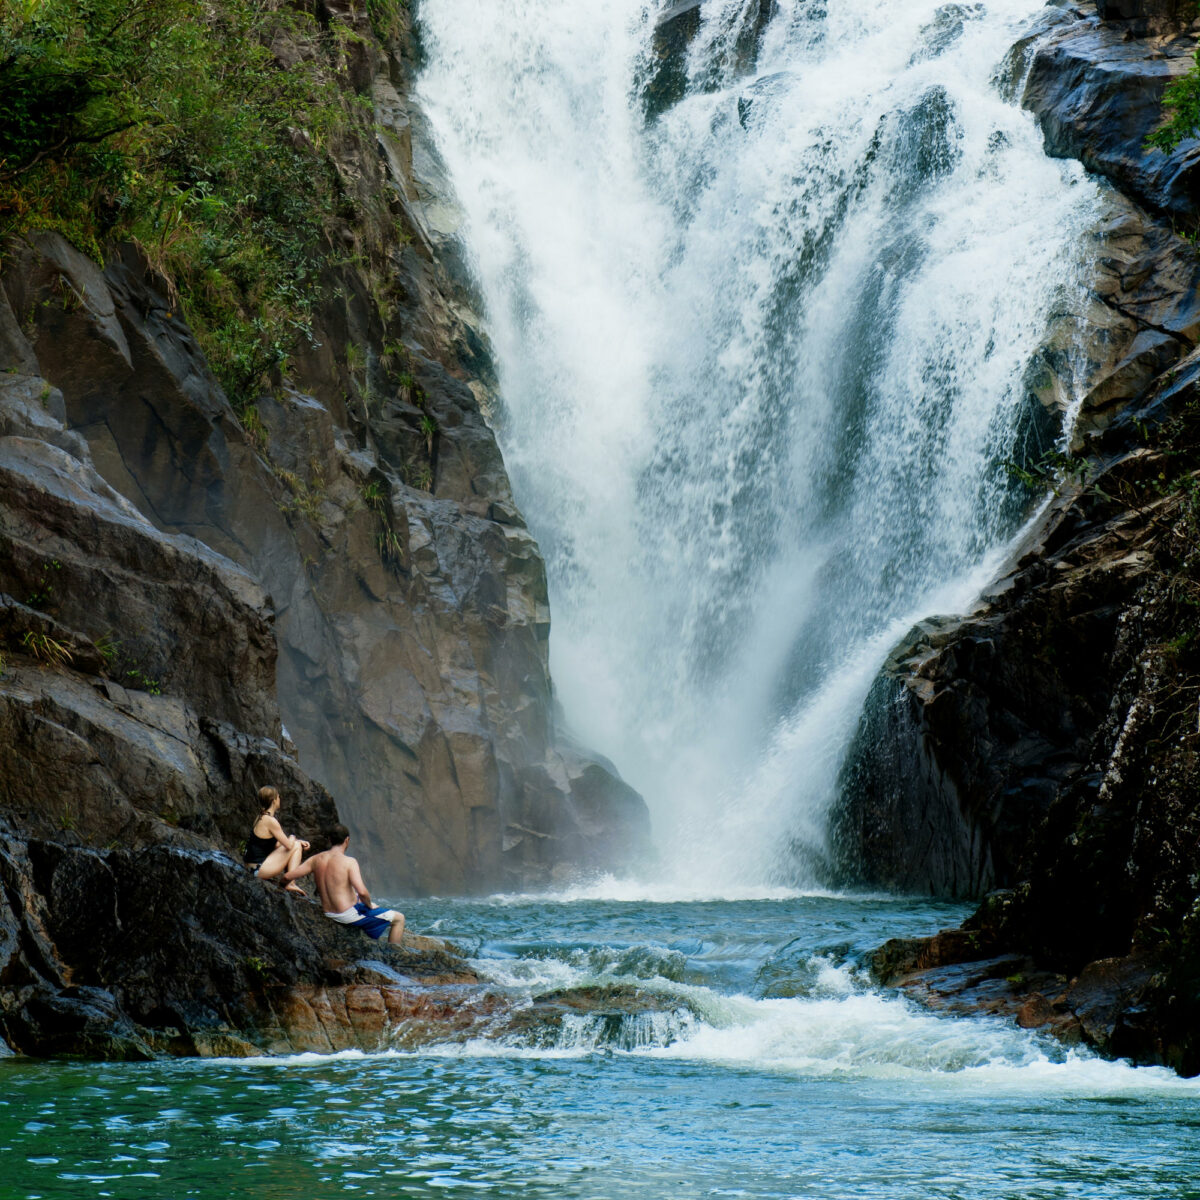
{"x": 174, "y": 123}
{"x": 1182, "y": 103}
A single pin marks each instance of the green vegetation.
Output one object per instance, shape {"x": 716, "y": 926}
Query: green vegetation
{"x": 46, "y": 648}
{"x": 1181, "y": 101}
{"x": 137, "y": 679}
{"x": 387, "y": 17}
{"x": 121, "y": 665}
{"x": 1051, "y": 471}
{"x": 172, "y": 124}
{"x": 306, "y": 499}
{"x": 256, "y": 966}
{"x": 374, "y": 495}
{"x": 390, "y": 548}
{"x": 255, "y": 428}
{"x": 43, "y": 594}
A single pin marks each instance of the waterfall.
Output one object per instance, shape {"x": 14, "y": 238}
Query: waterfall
{"x": 761, "y": 356}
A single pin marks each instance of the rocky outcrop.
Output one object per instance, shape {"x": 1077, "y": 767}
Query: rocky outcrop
{"x": 329, "y": 590}
{"x": 1089, "y": 1009}
{"x": 119, "y": 953}
{"x": 1126, "y": 1006}
{"x": 1097, "y": 91}
{"x": 1046, "y": 743}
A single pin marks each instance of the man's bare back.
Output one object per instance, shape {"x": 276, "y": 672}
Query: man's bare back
{"x": 339, "y": 881}
{"x": 343, "y": 894}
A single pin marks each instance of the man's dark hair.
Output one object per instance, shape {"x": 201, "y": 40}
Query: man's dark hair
{"x": 337, "y": 834}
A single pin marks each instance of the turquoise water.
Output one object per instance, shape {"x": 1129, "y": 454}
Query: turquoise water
{"x": 781, "y": 1073}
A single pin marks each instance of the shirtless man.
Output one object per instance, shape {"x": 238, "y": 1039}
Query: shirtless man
{"x": 343, "y": 893}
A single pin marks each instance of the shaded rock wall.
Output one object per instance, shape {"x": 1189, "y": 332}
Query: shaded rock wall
{"x": 366, "y": 497}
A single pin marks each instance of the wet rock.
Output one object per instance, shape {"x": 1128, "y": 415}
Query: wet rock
{"x": 1043, "y": 742}
{"x": 1097, "y": 93}
{"x": 177, "y": 950}
{"x": 675, "y": 29}
{"x": 1104, "y": 1006}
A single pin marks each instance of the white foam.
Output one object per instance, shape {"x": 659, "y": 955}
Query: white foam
{"x": 842, "y": 1029}
{"x": 633, "y": 890}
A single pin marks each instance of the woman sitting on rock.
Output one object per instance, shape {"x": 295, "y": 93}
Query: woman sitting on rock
{"x": 270, "y": 851}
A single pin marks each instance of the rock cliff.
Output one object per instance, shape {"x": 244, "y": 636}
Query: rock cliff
{"x": 1046, "y": 743}
{"x": 330, "y": 590}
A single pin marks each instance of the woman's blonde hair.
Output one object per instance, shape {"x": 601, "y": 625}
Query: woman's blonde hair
{"x": 267, "y": 796}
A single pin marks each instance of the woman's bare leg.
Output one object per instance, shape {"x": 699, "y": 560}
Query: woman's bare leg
{"x": 276, "y": 862}
{"x": 292, "y": 863}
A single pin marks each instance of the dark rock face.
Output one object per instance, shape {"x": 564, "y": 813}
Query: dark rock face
{"x": 675, "y": 29}
{"x": 977, "y": 722}
{"x": 126, "y": 954}
{"x": 1097, "y": 92}
{"x": 1047, "y": 742}
{"x": 1170, "y": 14}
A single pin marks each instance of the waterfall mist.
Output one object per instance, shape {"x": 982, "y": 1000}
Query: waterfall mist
{"x": 761, "y": 358}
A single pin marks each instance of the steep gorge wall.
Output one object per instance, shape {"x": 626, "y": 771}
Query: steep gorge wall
{"x": 369, "y": 500}
{"x": 330, "y": 591}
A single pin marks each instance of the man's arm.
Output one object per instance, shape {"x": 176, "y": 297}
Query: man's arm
{"x": 356, "y": 882}
{"x": 305, "y": 868}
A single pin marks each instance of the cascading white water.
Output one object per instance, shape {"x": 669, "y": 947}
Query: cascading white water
{"x": 761, "y": 360}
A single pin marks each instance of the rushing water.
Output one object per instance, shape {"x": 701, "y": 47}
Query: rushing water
{"x": 761, "y": 359}
{"x": 781, "y": 1074}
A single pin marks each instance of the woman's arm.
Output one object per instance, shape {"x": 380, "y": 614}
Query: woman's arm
{"x": 281, "y": 838}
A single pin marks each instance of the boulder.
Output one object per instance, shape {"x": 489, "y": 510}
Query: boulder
{"x": 127, "y": 954}
{"x": 1097, "y": 94}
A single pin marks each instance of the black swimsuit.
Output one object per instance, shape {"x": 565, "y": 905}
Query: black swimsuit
{"x": 257, "y": 849}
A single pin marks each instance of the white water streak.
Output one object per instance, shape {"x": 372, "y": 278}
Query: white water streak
{"x": 761, "y": 361}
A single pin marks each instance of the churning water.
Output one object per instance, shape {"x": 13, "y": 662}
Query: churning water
{"x": 760, "y": 1066}
{"x": 761, "y": 356}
